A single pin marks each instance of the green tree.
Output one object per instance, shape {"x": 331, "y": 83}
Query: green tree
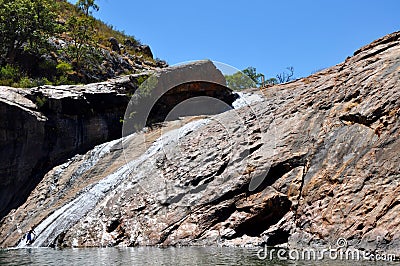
{"x": 86, "y": 6}
{"x": 247, "y": 78}
{"x": 239, "y": 81}
{"x": 251, "y": 72}
{"x": 81, "y": 30}
{"x": 271, "y": 81}
{"x": 25, "y": 25}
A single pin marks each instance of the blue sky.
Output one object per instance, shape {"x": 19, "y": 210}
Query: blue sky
{"x": 269, "y": 35}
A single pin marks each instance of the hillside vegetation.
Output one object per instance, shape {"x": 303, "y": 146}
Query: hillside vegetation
{"x": 56, "y": 42}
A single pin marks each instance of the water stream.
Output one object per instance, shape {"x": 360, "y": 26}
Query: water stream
{"x": 68, "y": 215}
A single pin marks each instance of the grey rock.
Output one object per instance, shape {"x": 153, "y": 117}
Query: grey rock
{"x": 42, "y": 127}
{"x": 144, "y": 49}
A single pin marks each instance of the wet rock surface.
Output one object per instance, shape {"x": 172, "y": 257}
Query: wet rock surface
{"x": 317, "y": 160}
{"x": 42, "y": 127}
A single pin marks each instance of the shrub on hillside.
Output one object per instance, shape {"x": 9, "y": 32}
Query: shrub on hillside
{"x": 9, "y": 75}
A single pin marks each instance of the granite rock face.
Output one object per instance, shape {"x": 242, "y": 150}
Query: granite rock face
{"x": 316, "y": 161}
{"x": 42, "y": 127}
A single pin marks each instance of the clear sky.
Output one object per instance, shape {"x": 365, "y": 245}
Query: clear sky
{"x": 269, "y": 35}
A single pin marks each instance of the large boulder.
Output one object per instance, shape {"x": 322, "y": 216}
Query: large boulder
{"x": 114, "y": 44}
{"x": 144, "y": 49}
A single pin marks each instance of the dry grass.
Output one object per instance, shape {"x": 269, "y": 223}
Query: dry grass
{"x": 103, "y": 31}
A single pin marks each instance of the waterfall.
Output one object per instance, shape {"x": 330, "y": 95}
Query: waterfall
{"x": 94, "y": 156}
{"x": 69, "y": 214}
{"x": 246, "y": 99}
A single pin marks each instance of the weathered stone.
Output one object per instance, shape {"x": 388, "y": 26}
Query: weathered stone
{"x": 114, "y": 44}
{"x": 316, "y": 161}
{"x": 144, "y": 49}
{"x": 42, "y": 127}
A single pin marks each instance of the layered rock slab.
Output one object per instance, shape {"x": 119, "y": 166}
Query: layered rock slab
{"x": 316, "y": 161}
{"x": 42, "y": 127}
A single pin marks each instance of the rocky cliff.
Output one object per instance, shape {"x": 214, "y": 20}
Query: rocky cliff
{"x": 316, "y": 161}
{"x": 43, "y": 127}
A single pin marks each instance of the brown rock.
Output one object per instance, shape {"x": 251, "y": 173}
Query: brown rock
{"x": 42, "y": 127}
{"x": 302, "y": 168}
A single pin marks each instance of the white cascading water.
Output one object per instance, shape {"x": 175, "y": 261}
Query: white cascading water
{"x": 68, "y": 215}
{"x": 246, "y": 99}
{"x": 94, "y": 156}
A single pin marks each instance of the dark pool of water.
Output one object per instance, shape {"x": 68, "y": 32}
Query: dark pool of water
{"x": 153, "y": 256}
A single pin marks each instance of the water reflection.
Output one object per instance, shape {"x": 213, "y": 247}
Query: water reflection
{"x": 152, "y": 256}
